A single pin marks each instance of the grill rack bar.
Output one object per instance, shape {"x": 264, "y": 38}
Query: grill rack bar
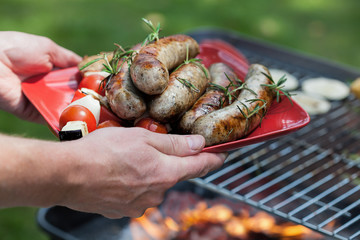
{"x": 308, "y": 177}
{"x": 312, "y": 154}
{"x": 290, "y": 215}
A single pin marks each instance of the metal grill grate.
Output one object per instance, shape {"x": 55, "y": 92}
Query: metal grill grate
{"x": 308, "y": 177}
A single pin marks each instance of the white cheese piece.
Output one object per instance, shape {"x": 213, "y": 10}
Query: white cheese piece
{"x": 73, "y": 130}
{"x": 90, "y": 103}
{"x": 101, "y": 73}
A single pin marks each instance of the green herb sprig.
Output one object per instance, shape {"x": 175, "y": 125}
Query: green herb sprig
{"x": 119, "y": 54}
{"x": 113, "y": 67}
{"x": 228, "y": 134}
{"x": 188, "y": 84}
{"x": 256, "y": 110}
{"x": 90, "y": 63}
{"x": 278, "y": 87}
{"x": 195, "y": 61}
{"x": 154, "y": 35}
{"x": 229, "y": 94}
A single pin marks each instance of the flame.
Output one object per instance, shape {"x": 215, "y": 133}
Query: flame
{"x": 292, "y": 231}
{"x": 235, "y": 225}
{"x": 202, "y": 213}
{"x": 138, "y": 232}
{"x": 236, "y": 228}
{"x": 157, "y": 229}
{"x": 171, "y": 224}
{"x": 261, "y": 222}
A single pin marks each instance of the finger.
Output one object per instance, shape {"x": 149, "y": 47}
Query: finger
{"x": 177, "y": 145}
{"x": 62, "y": 57}
{"x": 197, "y": 165}
{"x": 29, "y": 112}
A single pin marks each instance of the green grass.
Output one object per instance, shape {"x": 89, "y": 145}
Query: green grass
{"x": 326, "y": 28}
{"x": 19, "y": 224}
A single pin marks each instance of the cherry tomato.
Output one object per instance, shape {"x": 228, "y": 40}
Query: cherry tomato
{"x": 78, "y": 94}
{"x": 152, "y": 125}
{"x": 109, "y": 123}
{"x": 106, "y": 114}
{"x": 93, "y": 82}
{"x": 78, "y": 113}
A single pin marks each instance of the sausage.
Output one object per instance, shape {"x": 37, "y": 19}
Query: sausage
{"x": 150, "y": 68}
{"x": 229, "y": 123}
{"x": 125, "y": 100}
{"x": 96, "y": 67}
{"x": 212, "y": 99}
{"x": 179, "y": 97}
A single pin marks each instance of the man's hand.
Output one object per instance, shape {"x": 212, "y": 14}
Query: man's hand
{"x": 24, "y": 55}
{"x": 122, "y": 171}
{"x": 114, "y": 172}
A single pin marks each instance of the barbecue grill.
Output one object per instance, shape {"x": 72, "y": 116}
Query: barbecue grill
{"x": 310, "y": 177}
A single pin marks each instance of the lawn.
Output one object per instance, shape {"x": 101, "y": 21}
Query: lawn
{"x": 325, "y": 28}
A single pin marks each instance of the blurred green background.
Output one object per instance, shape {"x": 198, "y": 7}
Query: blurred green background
{"x": 325, "y": 28}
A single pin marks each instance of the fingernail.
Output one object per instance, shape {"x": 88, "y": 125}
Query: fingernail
{"x": 223, "y": 155}
{"x": 195, "y": 142}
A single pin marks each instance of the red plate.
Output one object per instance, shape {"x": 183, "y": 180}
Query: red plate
{"x": 50, "y": 93}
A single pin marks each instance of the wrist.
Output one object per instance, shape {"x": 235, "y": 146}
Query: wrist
{"x": 33, "y": 174}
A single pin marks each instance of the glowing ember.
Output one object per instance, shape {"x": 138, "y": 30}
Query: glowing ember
{"x": 217, "y": 221}
{"x": 235, "y": 227}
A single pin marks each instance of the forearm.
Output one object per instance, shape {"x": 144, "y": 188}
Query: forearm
{"x": 30, "y": 172}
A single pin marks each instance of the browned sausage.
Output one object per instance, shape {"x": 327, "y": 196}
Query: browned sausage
{"x": 178, "y": 96}
{"x": 229, "y": 123}
{"x": 150, "y": 68}
{"x": 212, "y": 99}
{"x": 125, "y": 100}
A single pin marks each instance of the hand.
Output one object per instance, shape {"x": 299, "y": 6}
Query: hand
{"x": 24, "y": 55}
{"x": 120, "y": 172}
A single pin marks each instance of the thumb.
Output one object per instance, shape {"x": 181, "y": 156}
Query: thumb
{"x": 62, "y": 57}
{"x": 177, "y": 145}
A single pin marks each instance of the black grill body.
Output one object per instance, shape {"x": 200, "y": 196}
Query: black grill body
{"x": 310, "y": 177}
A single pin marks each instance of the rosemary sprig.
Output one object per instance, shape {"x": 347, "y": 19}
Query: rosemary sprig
{"x": 113, "y": 67}
{"x": 154, "y": 35}
{"x": 228, "y": 93}
{"x": 249, "y": 113}
{"x": 257, "y": 107}
{"x": 278, "y": 87}
{"x": 119, "y": 54}
{"x": 90, "y": 63}
{"x": 195, "y": 61}
{"x": 188, "y": 84}
{"x": 228, "y": 134}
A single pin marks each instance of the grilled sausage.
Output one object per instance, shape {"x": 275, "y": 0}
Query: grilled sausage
{"x": 150, "y": 68}
{"x": 178, "y": 97}
{"x": 229, "y": 123}
{"x": 212, "y": 99}
{"x": 125, "y": 100}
